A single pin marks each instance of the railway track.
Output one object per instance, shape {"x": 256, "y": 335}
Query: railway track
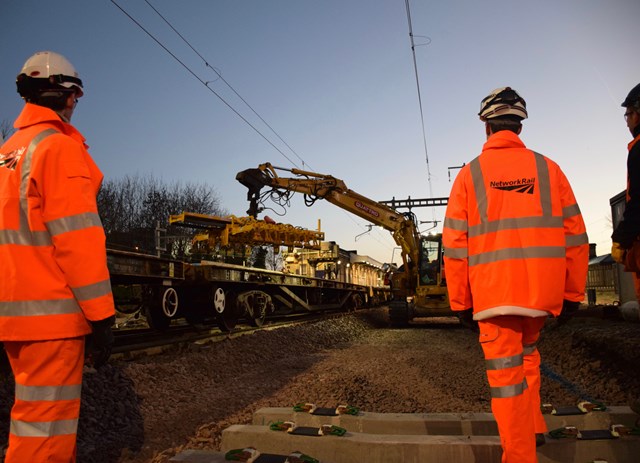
{"x": 130, "y": 342}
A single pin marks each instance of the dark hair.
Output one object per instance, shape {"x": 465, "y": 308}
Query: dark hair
{"x": 508, "y": 122}
{"x": 52, "y": 100}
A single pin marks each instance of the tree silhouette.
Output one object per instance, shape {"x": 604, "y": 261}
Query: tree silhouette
{"x": 132, "y": 208}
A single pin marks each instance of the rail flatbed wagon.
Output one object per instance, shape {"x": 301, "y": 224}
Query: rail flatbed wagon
{"x": 167, "y": 289}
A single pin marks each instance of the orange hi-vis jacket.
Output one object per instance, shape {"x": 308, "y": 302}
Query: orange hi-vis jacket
{"x": 53, "y": 270}
{"x": 515, "y": 242}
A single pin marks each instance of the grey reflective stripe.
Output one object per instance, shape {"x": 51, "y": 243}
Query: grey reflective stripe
{"x": 29, "y": 308}
{"x": 478, "y": 185}
{"x": 26, "y": 164}
{"x": 92, "y": 291}
{"x": 577, "y": 240}
{"x": 49, "y": 393}
{"x": 456, "y": 253}
{"x": 570, "y": 211}
{"x": 456, "y": 224}
{"x": 43, "y": 428}
{"x": 528, "y": 349}
{"x": 545, "y": 184}
{"x": 515, "y": 223}
{"x": 504, "y": 362}
{"x": 25, "y": 237}
{"x": 517, "y": 253}
{"x": 73, "y": 223}
{"x": 504, "y": 392}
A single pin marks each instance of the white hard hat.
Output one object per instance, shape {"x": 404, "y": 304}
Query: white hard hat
{"x": 503, "y": 101}
{"x": 49, "y": 70}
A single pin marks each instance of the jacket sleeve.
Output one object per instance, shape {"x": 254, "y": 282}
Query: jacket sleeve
{"x": 455, "y": 242}
{"x": 577, "y": 243}
{"x": 69, "y": 211}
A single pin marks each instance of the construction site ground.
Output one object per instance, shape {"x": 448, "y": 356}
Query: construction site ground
{"x": 153, "y": 408}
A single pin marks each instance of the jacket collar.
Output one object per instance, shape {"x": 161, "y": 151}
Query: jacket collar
{"x": 33, "y": 114}
{"x": 503, "y": 139}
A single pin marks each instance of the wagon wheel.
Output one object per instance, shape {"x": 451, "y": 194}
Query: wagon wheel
{"x": 160, "y": 306}
{"x": 259, "y": 305}
{"x": 170, "y": 302}
{"x": 225, "y": 308}
{"x": 256, "y": 305}
{"x": 156, "y": 319}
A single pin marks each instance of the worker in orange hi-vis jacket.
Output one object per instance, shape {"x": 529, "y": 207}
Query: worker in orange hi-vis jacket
{"x": 54, "y": 282}
{"x": 516, "y": 251}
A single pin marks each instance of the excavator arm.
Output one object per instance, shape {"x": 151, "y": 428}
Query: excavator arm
{"x": 316, "y": 186}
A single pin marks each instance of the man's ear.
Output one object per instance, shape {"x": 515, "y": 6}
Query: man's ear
{"x": 71, "y": 101}
{"x": 487, "y": 129}
{"x": 519, "y": 129}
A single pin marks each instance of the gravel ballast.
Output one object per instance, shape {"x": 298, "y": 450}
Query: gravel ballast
{"x": 149, "y": 409}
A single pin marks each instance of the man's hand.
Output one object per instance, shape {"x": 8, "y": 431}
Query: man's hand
{"x": 101, "y": 341}
{"x": 466, "y": 319}
{"x": 569, "y": 308}
{"x": 617, "y": 253}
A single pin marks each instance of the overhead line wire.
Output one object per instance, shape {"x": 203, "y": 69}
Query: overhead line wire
{"x": 205, "y": 83}
{"x": 245, "y": 102}
{"x": 225, "y": 81}
{"x": 415, "y": 68}
{"x": 202, "y": 82}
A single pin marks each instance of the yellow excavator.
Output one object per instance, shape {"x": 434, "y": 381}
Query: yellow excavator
{"x": 418, "y": 287}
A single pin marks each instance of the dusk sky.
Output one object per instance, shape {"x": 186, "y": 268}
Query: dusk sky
{"x": 335, "y": 80}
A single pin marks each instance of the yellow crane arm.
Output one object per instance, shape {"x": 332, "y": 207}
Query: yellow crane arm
{"x": 322, "y": 186}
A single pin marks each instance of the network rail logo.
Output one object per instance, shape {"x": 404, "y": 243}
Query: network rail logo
{"x": 10, "y": 160}
{"x": 520, "y": 185}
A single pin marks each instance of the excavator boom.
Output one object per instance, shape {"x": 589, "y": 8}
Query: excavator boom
{"x": 321, "y": 186}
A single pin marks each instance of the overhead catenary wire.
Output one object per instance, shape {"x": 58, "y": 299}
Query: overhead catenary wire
{"x": 203, "y": 82}
{"x": 415, "y": 68}
{"x": 206, "y": 84}
{"x": 206, "y": 63}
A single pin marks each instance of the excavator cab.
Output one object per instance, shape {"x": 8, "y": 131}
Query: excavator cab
{"x": 428, "y": 269}
{"x": 431, "y": 260}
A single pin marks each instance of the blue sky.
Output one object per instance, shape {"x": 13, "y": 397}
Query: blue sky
{"x": 335, "y": 79}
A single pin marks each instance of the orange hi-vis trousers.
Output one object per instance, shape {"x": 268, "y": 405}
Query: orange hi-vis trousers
{"x": 44, "y": 417}
{"x": 513, "y": 369}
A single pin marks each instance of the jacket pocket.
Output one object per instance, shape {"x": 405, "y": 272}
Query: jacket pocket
{"x": 75, "y": 169}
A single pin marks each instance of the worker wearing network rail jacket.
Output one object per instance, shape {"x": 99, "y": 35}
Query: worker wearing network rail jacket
{"x": 54, "y": 282}
{"x": 516, "y": 251}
